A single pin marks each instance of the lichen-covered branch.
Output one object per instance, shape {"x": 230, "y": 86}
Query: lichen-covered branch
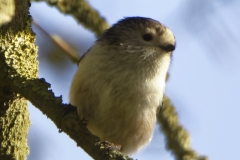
{"x": 14, "y": 125}
{"x": 37, "y": 91}
{"x": 177, "y": 138}
{"x": 17, "y": 50}
{"x": 82, "y": 12}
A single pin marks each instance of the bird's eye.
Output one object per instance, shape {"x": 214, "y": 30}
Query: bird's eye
{"x": 147, "y": 37}
{"x": 168, "y": 47}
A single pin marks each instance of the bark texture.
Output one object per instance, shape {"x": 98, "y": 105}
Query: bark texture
{"x": 17, "y": 57}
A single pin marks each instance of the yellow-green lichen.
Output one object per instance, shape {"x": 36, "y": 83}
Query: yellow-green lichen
{"x": 18, "y": 58}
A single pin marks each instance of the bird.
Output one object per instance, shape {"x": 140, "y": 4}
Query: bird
{"x": 119, "y": 85}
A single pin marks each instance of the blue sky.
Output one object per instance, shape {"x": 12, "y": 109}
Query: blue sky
{"x": 204, "y": 74}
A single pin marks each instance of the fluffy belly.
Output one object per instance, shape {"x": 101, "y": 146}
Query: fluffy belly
{"x": 127, "y": 120}
{"x": 131, "y": 131}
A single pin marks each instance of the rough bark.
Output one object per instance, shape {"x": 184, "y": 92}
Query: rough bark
{"x": 17, "y": 57}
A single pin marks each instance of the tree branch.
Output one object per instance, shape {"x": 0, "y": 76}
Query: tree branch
{"x": 83, "y": 13}
{"x": 17, "y": 50}
{"x": 38, "y": 93}
{"x": 68, "y": 50}
{"x": 178, "y": 139}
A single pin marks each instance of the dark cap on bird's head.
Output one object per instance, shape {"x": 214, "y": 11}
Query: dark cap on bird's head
{"x": 149, "y": 32}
